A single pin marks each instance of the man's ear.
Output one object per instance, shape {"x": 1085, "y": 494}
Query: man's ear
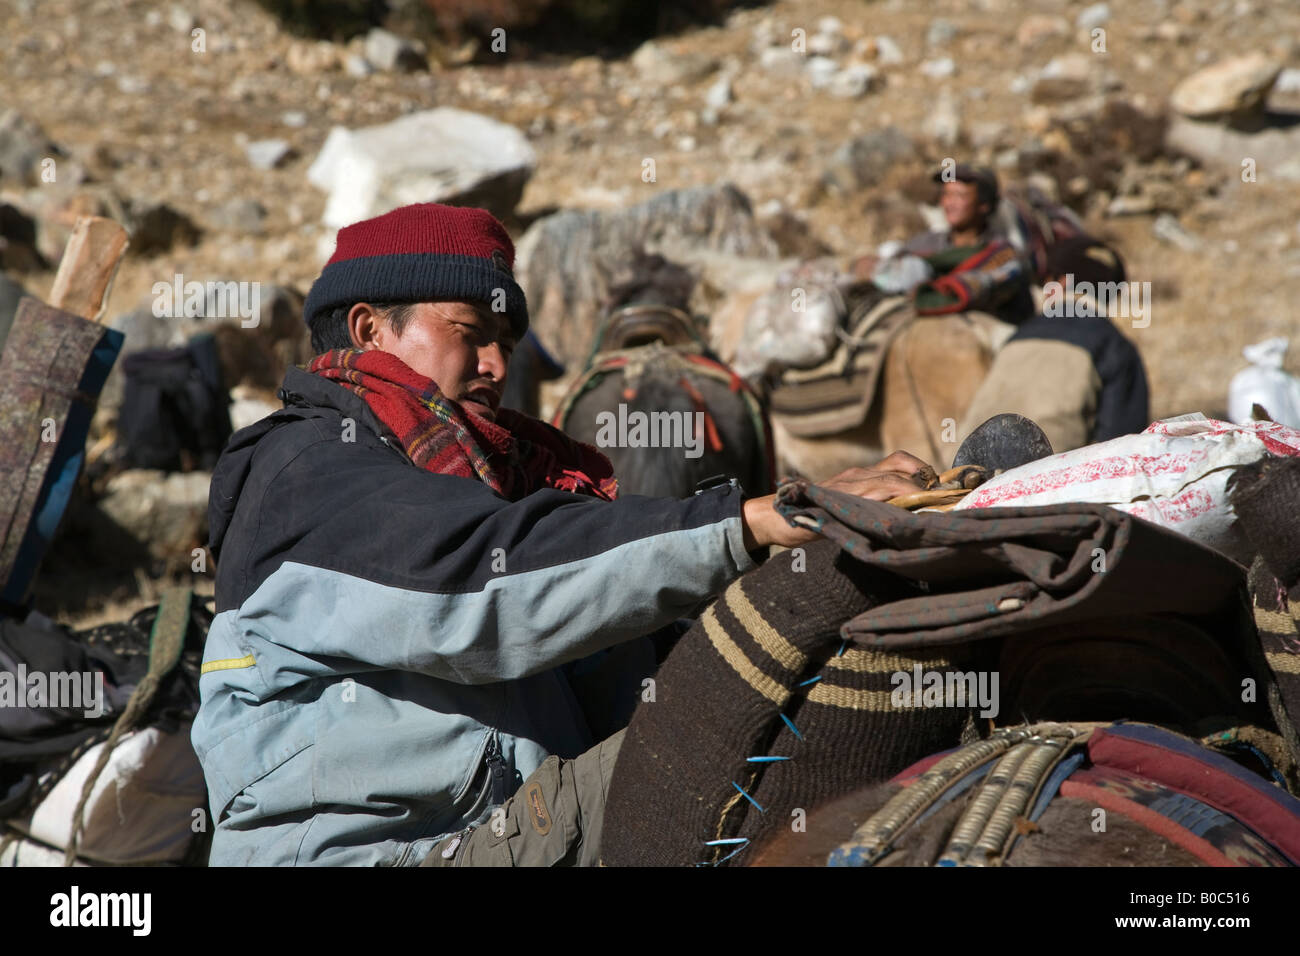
{"x": 367, "y": 329}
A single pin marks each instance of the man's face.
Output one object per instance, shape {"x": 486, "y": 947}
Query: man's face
{"x": 961, "y": 205}
{"x": 463, "y": 346}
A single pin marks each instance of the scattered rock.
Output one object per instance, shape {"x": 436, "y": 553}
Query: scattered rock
{"x": 941, "y": 32}
{"x": 157, "y": 227}
{"x": 1166, "y": 228}
{"x": 1093, "y": 16}
{"x": 781, "y": 60}
{"x": 986, "y": 135}
{"x": 388, "y": 52}
{"x": 180, "y": 19}
{"x": 856, "y": 79}
{"x": 830, "y": 26}
{"x": 939, "y": 69}
{"x": 440, "y": 155}
{"x": 792, "y": 234}
{"x": 1288, "y": 81}
{"x": 23, "y": 148}
{"x": 565, "y": 260}
{"x": 719, "y": 94}
{"x": 308, "y": 58}
{"x": 244, "y": 215}
{"x": 1064, "y": 78}
{"x": 295, "y": 119}
{"x": 888, "y": 52}
{"x": 658, "y": 66}
{"x": 1140, "y": 205}
{"x": 167, "y": 512}
{"x": 1233, "y": 89}
{"x": 863, "y": 160}
{"x": 1271, "y": 149}
{"x": 354, "y": 64}
{"x": 829, "y": 38}
{"x": 943, "y": 123}
{"x": 268, "y": 153}
{"x": 822, "y": 44}
{"x": 1038, "y": 27}
{"x": 820, "y": 70}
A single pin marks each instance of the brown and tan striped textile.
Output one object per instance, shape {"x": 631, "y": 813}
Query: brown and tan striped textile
{"x": 769, "y": 646}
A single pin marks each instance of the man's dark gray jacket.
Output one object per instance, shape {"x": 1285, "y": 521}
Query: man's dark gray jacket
{"x": 382, "y": 629}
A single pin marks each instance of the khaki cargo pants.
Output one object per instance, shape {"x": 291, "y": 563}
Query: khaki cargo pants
{"x": 554, "y": 819}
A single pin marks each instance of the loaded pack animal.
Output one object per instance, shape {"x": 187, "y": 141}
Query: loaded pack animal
{"x": 969, "y": 689}
{"x": 905, "y": 368}
{"x": 657, "y": 401}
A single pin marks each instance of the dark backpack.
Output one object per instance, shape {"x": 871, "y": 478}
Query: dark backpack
{"x": 174, "y": 407}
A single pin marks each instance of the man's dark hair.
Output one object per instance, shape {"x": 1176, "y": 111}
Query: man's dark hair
{"x": 330, "y": 331}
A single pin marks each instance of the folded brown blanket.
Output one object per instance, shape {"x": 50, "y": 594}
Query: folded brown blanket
{"x": 998, "y": 571}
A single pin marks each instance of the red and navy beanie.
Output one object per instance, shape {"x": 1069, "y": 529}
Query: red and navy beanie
{"x": 424, "y": 252}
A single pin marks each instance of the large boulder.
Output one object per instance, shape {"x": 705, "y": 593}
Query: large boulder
{"x": 864, "y": 160}
{"x": 440, "y": 155}
{"x": 1234, "y": 89}
{"x": 167, "y": 513}
{"x": 566, "y": 260}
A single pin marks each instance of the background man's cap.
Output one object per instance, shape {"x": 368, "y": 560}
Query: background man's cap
{"x": 985, "y": 180}
{"x": 426, "y": 252}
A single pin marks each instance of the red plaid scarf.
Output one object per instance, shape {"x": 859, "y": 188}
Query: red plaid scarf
{"x": 514, "y": 456}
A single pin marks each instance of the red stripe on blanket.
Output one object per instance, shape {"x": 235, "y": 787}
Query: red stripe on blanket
{"x": 1153, "y": 821}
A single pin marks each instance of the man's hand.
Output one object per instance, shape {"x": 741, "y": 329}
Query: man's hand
{"x": 896, "y": 475}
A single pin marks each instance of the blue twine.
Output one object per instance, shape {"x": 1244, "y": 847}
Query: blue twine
{"x": 748, "y": 797}
{"x": 793, "y": 729}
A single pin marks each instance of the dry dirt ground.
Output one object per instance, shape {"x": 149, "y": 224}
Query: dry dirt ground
{"x": 117, "y": 84}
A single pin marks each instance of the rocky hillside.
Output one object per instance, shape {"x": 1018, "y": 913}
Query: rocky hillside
{"x": 197, "y": 123}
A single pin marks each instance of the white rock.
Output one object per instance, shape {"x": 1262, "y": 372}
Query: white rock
{"x": 856, "y": 79}
{"x": 1233, "y": 86}
{"x": 719, "y": 94}
{"x": 820, "y": 70}
{"x": 389, "y": 52}
{"x": 1288, "y": 81}
{"x": 830, "y": 26}
{"x": 887, "y": 51}
{"x": 823, "y": 44}
{"x": 437, "y": 155}
{"x": 354, "y": 64}
{"x": 180, "y": 19}
{"x": 294, "y": 118}
{"x": 939, "y": 69}
{"x": 1168, "y": 229}
{"x": 781, "y": 60}
{"x": 267, "y": 153}
{"x": 943, "y": 122}
{"x": 1091, "y": 17}
{"x": 940, "y": 33}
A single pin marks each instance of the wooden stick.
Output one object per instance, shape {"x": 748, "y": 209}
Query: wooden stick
{"x": 88, "y": 266}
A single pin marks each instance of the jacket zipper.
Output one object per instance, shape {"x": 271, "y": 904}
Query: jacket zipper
{"x": 497, "y": 770}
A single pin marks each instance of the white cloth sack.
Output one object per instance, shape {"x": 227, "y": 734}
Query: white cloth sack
{"x": 1264, "y": 383}
{"x": 141, "y": 809}
{"x": 1173, "y": 474}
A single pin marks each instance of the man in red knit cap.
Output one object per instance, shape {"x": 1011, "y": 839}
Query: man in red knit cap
{"x": 404, "y": 567}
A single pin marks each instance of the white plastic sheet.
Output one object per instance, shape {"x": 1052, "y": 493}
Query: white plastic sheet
{"x": 1173, "y": 474}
